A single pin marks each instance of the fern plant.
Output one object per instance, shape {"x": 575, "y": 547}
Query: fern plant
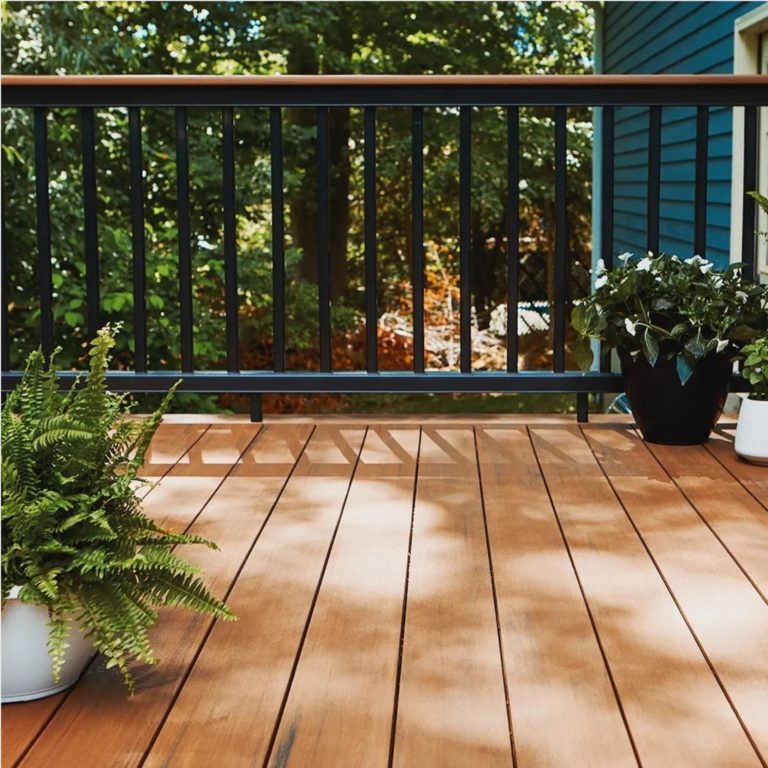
{"x": 74, "y": 536}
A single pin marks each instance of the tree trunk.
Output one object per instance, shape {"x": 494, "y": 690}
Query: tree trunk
{"x": 303, "y": 202}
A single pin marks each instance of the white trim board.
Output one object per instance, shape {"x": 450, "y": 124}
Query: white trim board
{"x": 746, "y": 45}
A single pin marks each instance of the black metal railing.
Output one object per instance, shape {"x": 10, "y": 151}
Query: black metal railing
{"x": 42, "y": 94}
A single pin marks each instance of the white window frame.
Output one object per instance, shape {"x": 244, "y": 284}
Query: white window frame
{"x": 746, "y": 36}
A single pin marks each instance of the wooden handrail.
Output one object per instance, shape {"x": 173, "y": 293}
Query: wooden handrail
{"x": 117, "y": 81}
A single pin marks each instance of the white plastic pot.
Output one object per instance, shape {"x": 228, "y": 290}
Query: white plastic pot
{"x": 752, "y": 431}
{"x": 26, "y": 665}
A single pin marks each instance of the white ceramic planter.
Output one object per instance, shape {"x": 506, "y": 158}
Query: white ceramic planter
{"x": 26, "y": 665}
{"x": 752, "y": 431}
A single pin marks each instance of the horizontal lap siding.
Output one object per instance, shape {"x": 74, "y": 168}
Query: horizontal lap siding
{"x": 674, "y": 38}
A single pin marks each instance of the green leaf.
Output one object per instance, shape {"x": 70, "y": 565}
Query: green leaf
{"x": 579, "y": 318}
{"x": 684, "y": 369}
{"x": 696, "y": 347}
{"x": 583, "y": 355}
{"x": 678, "y": 330}
{"x": 650, "y": 347}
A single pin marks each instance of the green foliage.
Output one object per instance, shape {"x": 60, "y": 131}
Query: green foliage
{"x": 762, "y": 201}
{"x": 755, "y": 368}
{"x": 74, "y": 537}
{"x": 268, "y": 38}
{"x": 665, "y": 308}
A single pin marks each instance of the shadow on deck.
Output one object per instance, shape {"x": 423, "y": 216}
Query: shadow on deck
{"x": 425, "y": 592}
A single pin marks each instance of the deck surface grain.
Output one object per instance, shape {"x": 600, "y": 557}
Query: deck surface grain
{"x": 472, "y": 591}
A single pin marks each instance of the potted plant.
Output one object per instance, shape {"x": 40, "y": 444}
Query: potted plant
{"x": 676, "y": 325}
{"x": 752, "y": 429}
{"x": 84, "y": 569}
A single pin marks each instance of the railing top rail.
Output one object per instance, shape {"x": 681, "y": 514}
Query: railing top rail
{"x": 303, "y": 81}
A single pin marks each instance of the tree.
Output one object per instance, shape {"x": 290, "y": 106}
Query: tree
{"x": 262, "y": 38}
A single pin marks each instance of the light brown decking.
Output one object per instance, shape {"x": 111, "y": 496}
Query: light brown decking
{"x": 476, "y": 592}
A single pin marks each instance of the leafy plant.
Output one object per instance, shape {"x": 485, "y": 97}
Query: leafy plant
{"x": 755, "y": 369}
{"x": 670, "y": 310}
{"x": 762, "y": 201}
{"x": 75, "y": 539}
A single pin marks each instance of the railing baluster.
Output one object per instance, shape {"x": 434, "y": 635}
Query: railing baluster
{"x": 465, "y": 237}
{"x": 748, "y": 222}
{"x": 606, "y": 191}
{"x": 323, "y": 245}
{"x": 90, "y": 216}
{"x": 185, "y": 250}
{"x": 278, "y": 239}
{"x": 700, "y": 198}
{"x": 43, "y": 207}
{"x": 654, "y": 177}
{"x": 417, "y": 235}
{"x": 561, "y": 241}
{"x": 371, "y": 277}
{"x": 513, "y": 234}
{"x": 230, "y": 240}
{"x": 137, "y": 240}
{"x": 606, "y": 203}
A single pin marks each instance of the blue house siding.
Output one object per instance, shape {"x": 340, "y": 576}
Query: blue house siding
{"x": 674, "y": 38}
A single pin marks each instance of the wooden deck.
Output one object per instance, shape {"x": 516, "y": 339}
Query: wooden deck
{"x": 477, "y": 592}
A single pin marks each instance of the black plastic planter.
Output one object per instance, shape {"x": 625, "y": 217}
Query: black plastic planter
{"x": 669, "y": 412}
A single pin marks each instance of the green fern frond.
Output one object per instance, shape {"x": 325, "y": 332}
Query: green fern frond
{"x": 183, "y": 591}
{"x": 58, "y": 626}
{"x": 74, "y": 535}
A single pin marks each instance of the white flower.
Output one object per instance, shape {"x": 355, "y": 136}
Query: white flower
{"x": 703, "y": 265}
{"x": 675, "y": 258}
{"x": 630, "y": 326}
{"x": 601, "y": 281}
{"x": 644, "y": 265}
{"x": 625, "y": 257}
{"x": 600, "y": 267}
{"x": 721, "y": 344}
{"x": 718, "y": 281}
{"x": 741, "y": 296}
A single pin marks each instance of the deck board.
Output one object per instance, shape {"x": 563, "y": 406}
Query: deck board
{"x": 228, "y": 708}
{"x": 342, "y": 696}
{"x": 22, "y": 722}
{"x": 729, "y": 618}
{"x": 451, "y": 706}
{"x": 752, "y": 476}
{"x": 614, "y": 590}
{"x": 555, "y": 671}
{"x": 676, "y": 711}
{"x": 735, "y": 516}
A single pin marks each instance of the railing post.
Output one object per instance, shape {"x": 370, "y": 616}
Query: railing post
{"x": 749, "y": 210}
{"x": 257, "y": 414}
{"x": 582, "y": 407}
